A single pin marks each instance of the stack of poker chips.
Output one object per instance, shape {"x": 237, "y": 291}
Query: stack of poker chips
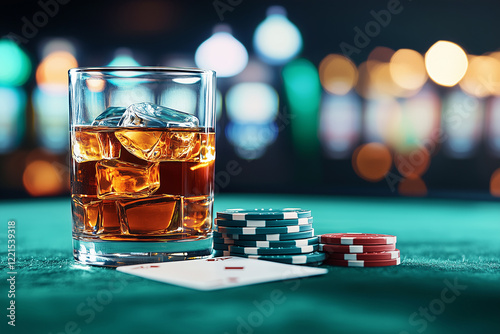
{"x": 359, "y": 250}
{"x": 279, "y": 235}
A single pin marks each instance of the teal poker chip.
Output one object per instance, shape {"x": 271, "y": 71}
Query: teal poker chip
{"x": 310, "y": 258}
{"x": 268, "y": 244}
{"x": 272, "y": 250}
{"x": 216, "y": 253}
{"x": 224, "y": 241}
{"x": 264, "y": 230}
{"x": 259, "y": 214}
{"x": 263, "y": 222}
{"x": 221, "y": 247}
{"x": 265, "y": 237}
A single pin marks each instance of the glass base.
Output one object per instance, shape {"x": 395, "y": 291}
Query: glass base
{"x": 118, "y": 253}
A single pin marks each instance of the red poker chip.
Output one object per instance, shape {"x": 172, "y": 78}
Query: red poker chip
{"x": 357, "y": 239}
{"x": 356, "y": 248}
{"x": 361, "y": 263}
{"x": 390, "y": 255}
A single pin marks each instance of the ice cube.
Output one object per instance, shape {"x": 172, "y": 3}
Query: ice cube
{"x": 154, "y": 146}
{"x": 94, "y": 216}
{"x": 94, "y": 146}
{"x": 142, "y": 144}
{"x": 117, "y": 179}
{"x": 198, "y": 213}
{"x": 109, "y": 117}
{"x": 146, "y": 114}
{"x": 85, "y": 211}
{"x": 153, "y": 215}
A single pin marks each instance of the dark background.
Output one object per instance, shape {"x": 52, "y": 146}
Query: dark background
{"x": 155, "y": 29}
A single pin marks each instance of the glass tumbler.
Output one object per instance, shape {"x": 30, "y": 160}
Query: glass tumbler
{"x": 142, "y": 164}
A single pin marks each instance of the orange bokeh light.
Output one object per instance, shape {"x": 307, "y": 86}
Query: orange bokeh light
{"x": 337, "y": 74}
{"x": 413, "y": 163}
{"x": 53, "y": 70}
{"x": 412, "y": 187}
{"x": 407, "y": 69}
{"x": 95, "y": 85}
{"x": 41, "y": 178}
{"x": 372, "y": 161}
{"x": 482, "y": 77}
{"x": 495, "y": 183}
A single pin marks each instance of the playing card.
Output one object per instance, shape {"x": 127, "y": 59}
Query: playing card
{"x": 220, "y": 272}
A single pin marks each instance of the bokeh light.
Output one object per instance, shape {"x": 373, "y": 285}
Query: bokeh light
{"x": 303, "y": 92}
{"x": 414, "y": 187}
{"x": 382, "y": 120}
{"x": 407, "y": 68}
{"x": 252, "y": 102}
{"x": 340, "y": 124}
{"x": 412, "y": 164}
{"x": 337, "y": 74}
{"x": 493, "y": 126}
{"x": 15, "y": 66}
{"x": 372, "y": 161}
{"x": 95, "y": 84}
{"x": 179, "y": 98}
{"x": 51, "y": 118}
{"x": 276, "y": 39}
{"x": 446, "y": 63}
{"x": 41, "y": 178}
{"x": 251, "y": 139}
{"x": 462, "y": 124}
{"x": 123, "y": 57}
{"x": 482, "y": 77}
{"x": 53, "y": 70}
{"x": 495, "y": 183}
{"x": 222, "y": 53}
{"x": 13, "y": 117}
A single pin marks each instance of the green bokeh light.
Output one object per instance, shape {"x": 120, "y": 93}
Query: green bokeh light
{"x": 303, "y": 92}
{"x": 15, "y": 65}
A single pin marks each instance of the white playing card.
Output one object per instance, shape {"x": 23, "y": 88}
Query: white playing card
{"x": 220, "y": 272}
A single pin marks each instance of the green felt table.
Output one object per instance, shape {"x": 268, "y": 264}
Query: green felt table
{"x": 448, "y": 281}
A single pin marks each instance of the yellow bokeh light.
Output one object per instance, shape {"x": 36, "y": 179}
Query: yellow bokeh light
{"x": 53, "y": 69}
{"x": 337, "y": 74}
{"x": 446, "y": 63}
{"x": 407, "y": 68}
{"x": 482, "y": 77}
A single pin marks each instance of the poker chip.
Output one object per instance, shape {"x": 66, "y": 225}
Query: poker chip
{"x": 268, "y": 244}
{"x": 390, "y": 255}
{"x": 361, "y": 263}
{"x": 265, "y": 237}
{"x": 260, "y": 214}
{"x": 263, "y": 222}
{"x": 280, "y": 235}
{"x": 216, "y": 253}
{"x": 309, "y": 258}
{"x": 272, "y": 250}
{"x": 221, "y": 247}
{"x": 356, "y": 248}
{"x": 264, "y": 230}
{"x": 357, "y": 239}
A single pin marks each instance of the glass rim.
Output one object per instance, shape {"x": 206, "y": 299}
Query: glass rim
{"x": 180, "y": 70}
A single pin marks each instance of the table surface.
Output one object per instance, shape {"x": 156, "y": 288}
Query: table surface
{"x": 448, "y": 281}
